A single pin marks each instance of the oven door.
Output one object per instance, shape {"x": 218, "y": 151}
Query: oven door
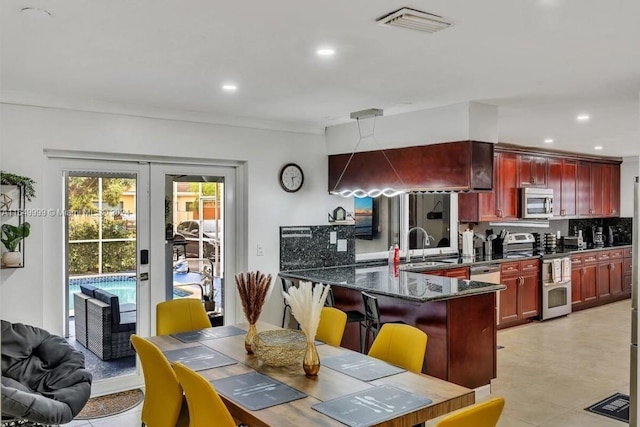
{"x": 556, "y": 299}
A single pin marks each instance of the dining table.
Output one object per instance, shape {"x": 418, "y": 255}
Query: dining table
{"x": 330, "y": 385}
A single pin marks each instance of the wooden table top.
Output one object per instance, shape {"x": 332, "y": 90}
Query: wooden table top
{"x": 329, "y": 384}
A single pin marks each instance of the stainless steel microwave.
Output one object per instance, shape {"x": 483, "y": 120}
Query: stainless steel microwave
{"x": 537, "y": 203}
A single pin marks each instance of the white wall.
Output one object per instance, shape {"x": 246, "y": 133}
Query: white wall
{"x": 629, "y": 169}
{"x": 458, "y": 122}
{"x": 27, "y": 131}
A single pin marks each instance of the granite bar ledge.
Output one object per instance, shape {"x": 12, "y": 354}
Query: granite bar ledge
{"x": 458, "y": 316}
{"x": 382, "y": 280}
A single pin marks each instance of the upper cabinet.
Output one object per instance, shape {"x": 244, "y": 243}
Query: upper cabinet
{"x": 502, "y": 202}
{"x": 598, "y": 189}
{"x": 532, "y": 170}
{"x": 563, "y": 180}
{"x": 582, "y": 187}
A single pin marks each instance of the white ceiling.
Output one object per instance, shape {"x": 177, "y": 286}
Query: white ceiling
{"x": 541, "y": 61}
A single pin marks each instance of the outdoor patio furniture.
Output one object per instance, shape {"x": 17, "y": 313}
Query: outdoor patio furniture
{"x": 109, "y": 328}
{"x": 44, "y": 379}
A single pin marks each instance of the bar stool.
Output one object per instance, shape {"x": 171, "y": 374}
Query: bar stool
{"x": 371, "y": 322}
{"x": 286, "y": 284}
{"x": 352, "y": 315}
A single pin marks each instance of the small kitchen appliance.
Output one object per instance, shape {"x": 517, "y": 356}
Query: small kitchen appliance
{"x": 537, "y": 203}
{"x": 517, "y": 245}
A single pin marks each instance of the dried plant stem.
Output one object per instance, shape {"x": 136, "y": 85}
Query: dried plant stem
{"x": 306, "y": 303}
{"x": 254, "y": 288}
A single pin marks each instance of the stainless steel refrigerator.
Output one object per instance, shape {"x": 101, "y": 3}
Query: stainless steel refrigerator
{"x": 634, "y": 380}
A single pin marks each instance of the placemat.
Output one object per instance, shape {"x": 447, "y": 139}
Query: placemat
{"x": 371, "y": 406}
{"x": 256, "y": 391}
{"x": 360, "y": 366}
{"x": 198, "y": 358}
{"x": 209, "y": 333}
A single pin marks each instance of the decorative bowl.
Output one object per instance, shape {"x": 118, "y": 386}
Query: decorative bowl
{"x": 280, "y": 347}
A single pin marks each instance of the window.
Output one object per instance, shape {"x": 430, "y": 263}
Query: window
{"x": 189, "y": 206}
{"x": 436, "y": 213}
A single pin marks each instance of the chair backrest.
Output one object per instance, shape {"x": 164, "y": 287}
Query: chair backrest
{"x": 163, "y": 393}
{"x": 206, "y": 408}
{"x": 181, "y": 315}
{"x": 484, "y": 414}
{"x": 371, "y": 309}
{"x": 401, "y": 345}
{"x": 286, "y": 284}
{"x": 331, "y": 326}
{"x": 330, "y": 301}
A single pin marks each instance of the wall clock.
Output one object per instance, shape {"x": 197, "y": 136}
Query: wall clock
{"x": 291, "y": 177}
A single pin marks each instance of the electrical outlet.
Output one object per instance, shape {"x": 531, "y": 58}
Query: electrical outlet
{"x": 333, "y": 237}
{"x": 342, "y": 245}
{"x": 260, "y": 250}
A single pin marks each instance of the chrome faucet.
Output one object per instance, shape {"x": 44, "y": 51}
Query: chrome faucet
{"x": 425, "y": 239}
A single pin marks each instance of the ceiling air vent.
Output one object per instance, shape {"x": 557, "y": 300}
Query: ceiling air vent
{"x": 415, "y": 20}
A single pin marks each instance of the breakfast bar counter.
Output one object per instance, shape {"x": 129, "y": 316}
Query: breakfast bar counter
{"x": 459, "y": 316}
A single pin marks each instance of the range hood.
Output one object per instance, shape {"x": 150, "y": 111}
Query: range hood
{"x": 447, "y": 167}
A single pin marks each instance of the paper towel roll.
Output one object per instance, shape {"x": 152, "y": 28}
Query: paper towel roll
{"x": 467, "y": 243}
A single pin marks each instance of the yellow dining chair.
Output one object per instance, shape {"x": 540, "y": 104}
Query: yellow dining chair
{"x": 331, "y": 326}
{"x": 401, "y": 345}
{"x": 181, "y": 315}
{"x": 206, "y": 408}
{"x": 484, "y": 414}
{"x": 164, "y": 404}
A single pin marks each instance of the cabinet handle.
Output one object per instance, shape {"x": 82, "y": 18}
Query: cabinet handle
{"x": 532, "y": 180}
{"x": 582, "y": 271}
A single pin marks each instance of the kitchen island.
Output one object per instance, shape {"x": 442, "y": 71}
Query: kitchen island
{"x": 459, "y": 316}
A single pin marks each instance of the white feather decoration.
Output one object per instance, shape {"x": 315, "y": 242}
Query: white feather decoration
{"x": 306, "y": 303}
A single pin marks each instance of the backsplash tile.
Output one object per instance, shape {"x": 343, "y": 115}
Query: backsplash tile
{"x": 308, "y": 246}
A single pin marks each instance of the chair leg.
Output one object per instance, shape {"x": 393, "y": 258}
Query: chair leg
{"x": 284, "y": 315}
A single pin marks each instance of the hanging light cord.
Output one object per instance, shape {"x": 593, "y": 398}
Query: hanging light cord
{"x": 361, "y": 138}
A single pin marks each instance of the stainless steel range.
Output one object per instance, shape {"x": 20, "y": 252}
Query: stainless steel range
{"x": 556, "y": 287}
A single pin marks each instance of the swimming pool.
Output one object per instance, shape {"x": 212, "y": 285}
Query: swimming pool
{"x": 122, "y": 286}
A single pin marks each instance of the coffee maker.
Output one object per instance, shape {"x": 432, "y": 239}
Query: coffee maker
{"x": 595, "y": 237}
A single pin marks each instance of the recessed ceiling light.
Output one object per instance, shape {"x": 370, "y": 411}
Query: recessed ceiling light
{"x": 325, "y": 51}
{"x": 583, "y": 117}
{"x": 598, "y": 147}
{"x": 229, "y": 87}
{"x": 548, "y": 141}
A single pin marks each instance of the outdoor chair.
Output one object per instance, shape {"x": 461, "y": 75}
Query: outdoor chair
{"x": 109, "y": 329}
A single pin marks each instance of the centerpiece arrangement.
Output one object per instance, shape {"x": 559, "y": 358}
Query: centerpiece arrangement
{"x": 254, "y": 289}
{"x": 306, "y": 303}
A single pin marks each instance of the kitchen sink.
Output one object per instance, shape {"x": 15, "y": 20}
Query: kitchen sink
{"x": 419, "y": 265}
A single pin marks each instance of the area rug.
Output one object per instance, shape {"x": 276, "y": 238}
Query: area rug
{"x": 615, "y": 406}
{"x": 110, "y": 404}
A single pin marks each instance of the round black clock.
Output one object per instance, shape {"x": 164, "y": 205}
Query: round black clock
{"x": 291, "y": 177}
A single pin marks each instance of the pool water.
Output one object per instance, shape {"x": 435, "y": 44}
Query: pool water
{"x": 122, "y": 286}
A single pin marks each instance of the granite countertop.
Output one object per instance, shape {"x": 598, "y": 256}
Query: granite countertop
{"x": 406, "y": 285}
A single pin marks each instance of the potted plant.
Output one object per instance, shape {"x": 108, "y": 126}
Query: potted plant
{"x": 207, "y": 284}
{"x": 21, "y": 181}
{"x": 11, "y": 236}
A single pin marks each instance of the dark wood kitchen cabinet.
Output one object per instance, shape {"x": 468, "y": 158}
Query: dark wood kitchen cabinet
{"x": 458, "y": 272}
{"x": 610, "y": 190}
{"x": 500, "y": 204}
{"x": 532, "y": 170}
{"x": 520, "y": 302}
{"x": 563, "y": 178}
{"x": 610, "y": 274}
{"x": 584, "y": 291}
{"x": 598, "y": 189}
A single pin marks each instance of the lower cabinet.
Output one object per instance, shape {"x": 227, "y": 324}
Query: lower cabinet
{"x": 521, "y": 300}
{"x": 599, "y": 277}
{"x": 454, "y": 273}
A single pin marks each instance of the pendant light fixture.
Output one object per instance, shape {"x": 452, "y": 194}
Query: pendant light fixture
{"x": 371, "y": 113}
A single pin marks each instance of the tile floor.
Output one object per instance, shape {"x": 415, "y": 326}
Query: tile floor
{"x": 548, "y": 372}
